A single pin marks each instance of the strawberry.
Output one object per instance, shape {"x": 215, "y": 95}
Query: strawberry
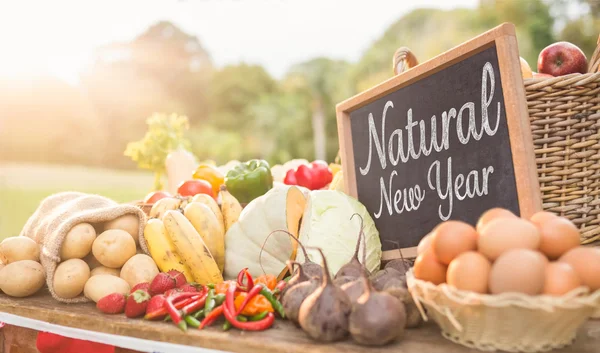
{"x": 187, "y": 288}
{"x": 179, "y": 277}
{"x": 170, "y": 292}
{"x": 156, "y": 303}
{"x": 162, "y": 283}
{"x": 143, "y": 285}
{"x": 112, "y": 304}
{"x": 137, "y": 303}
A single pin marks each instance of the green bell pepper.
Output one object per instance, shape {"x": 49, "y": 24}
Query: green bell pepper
{"x": 249, "y": 180}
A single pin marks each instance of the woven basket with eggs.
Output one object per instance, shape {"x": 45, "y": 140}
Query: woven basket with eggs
{"x": 511, "y": 284}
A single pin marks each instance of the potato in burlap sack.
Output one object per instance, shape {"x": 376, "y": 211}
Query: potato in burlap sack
{"x": 58, "y": 213}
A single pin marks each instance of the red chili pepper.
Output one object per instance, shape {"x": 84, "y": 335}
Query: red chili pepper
{"x": 251, "y": 294}
{"x": 194, "y": 306}
{"x": 211, "y": 317}
{"x": 249, "y": 326}
{"x": 240, "y": 280}
{"x": 314, "y": 176}
{"x": 174, "y": 312}
{"x": 162, "y": 312}
{"x": 230, "y": 298}
{"x": 280, "y": 286}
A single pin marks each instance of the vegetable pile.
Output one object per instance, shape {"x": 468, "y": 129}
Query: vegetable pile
{"x": 331, "y": 310}
{"x": 247, "y": 304}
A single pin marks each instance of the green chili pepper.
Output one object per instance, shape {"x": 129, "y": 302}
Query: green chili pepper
{"x": 249, "y": 180}
{"x": 192, "y": 321}
{"x": 198, "y": 314}
{"x": 210, "y": 302}
{"x": 210, "y": 286}
{"x": 242, "y": 318}
{"x": 258, "y": 317}
{"x": 219, "y": 299}
{"x": 168, "y": 318}
{"x": 274, "y": 302}
{"x": 226, "y": 325}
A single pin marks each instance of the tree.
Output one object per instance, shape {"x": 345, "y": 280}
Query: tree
{"x": 233, "y": 90}
{"x": 427, "y": 32}
{"x": 323, "y": 79}
{"x": 162, "y": 70}
{"x": 582, "y": 29}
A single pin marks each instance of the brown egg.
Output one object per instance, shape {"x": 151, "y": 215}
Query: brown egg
{"x": 428, "y": 268}
{"x": 470, "y": 271}
{"x": 520, "y": 271}
{"x": 451, "y": 239}
{"x": 424, "y": 244}
{"x": 492, "y": 214}
{"x": 541, "y": 217}
{"x": 503, "y": 234}
{"x": 586, "y": 262}
{"x": 558, "y": 235}
{"x": 561, "y": 278}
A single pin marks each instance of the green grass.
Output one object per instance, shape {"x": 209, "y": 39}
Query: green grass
{"x": 22, "y": 187}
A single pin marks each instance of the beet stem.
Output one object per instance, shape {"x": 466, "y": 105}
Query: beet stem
{"x": 326, "y": 276}
{"x": 361, "y": 237}
{"x": 291, "y": 236}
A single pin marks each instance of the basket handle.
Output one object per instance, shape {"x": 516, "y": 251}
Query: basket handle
{"x": 403, "y": 60}
{"x": 594, "y": 65}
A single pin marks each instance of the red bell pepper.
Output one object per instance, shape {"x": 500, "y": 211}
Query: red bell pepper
{"x": 315, "y": 176}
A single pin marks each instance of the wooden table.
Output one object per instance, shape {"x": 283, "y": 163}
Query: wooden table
{"x": 283, "y": 337}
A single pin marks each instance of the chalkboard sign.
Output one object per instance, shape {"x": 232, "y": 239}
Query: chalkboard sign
{"x": 447, "y": 139}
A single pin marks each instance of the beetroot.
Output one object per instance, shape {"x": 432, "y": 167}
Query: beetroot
{"x": 354, "y": 268}
{"x": 377, "y": 318}
{"x": 324, "y": 313}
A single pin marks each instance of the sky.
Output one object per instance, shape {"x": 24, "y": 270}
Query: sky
{"x": 59, "y": 36}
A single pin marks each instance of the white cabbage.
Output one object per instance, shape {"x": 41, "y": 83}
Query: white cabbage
{"x": 326, "y": 224}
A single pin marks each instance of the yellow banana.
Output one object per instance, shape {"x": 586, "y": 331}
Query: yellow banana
{"x": 230, "y": 207}
{"x": 213, "y": 205}
{"x": 184, "y": 201}
{"x": 206, "y": 224}
{"x": 163, "y": 205}
{"x": 191, "y": 248}
{"x": 162, "y": 249}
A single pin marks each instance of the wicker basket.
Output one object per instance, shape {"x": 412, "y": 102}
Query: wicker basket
{"x": 509, "y": 322}
{"x": 564, "y": 113}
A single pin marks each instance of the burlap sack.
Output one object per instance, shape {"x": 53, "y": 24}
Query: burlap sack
{"x": 58, "y": 213}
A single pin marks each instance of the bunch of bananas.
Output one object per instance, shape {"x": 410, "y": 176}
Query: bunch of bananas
{"x": 188, "y": 234}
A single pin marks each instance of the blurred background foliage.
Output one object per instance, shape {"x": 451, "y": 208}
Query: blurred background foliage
{"x": 240, "y": 111}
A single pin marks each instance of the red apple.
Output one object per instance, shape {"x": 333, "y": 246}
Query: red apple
{"x": 194, "y": 187}
{"x": 538, "y": 75}
{"x": 562, "y": 58}
{"x": 155, "y": 196}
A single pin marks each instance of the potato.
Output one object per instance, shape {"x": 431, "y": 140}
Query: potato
{"x": 15, "y": 249}
{"x": 101, "y": 270}
{"x": 92, "y": 261}
{"x": 138, "y": 269}
{"x": 70, "y": 278}
{"x": 78, "y": 242}
{"x": 129, "y": 223}
{"x": 99, "y": 286}
{"x": 113, "y": 248}
{"x": 22, "y": 278}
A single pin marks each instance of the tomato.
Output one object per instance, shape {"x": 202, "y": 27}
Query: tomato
{"x": 155, "y": 196}
{"x": 194, "y": 187}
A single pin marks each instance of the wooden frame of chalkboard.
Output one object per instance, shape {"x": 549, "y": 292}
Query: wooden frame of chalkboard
{"x": 499, "y": 43}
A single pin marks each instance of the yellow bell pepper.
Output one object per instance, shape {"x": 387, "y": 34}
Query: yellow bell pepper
{"x": 211, "y": 174}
